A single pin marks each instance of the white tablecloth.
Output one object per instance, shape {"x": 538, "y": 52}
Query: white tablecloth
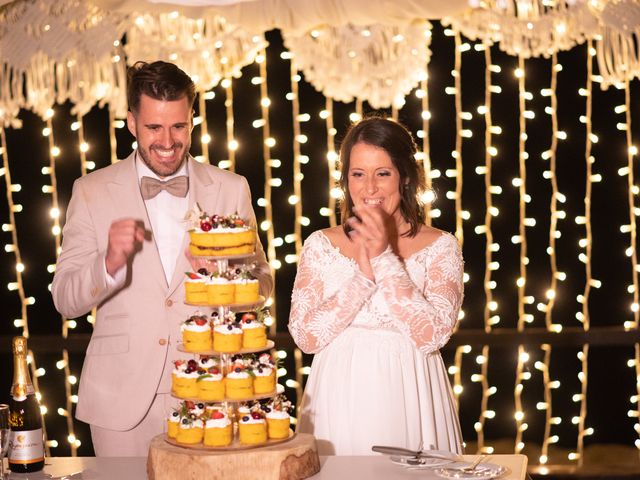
{"x": 333, "y": 468}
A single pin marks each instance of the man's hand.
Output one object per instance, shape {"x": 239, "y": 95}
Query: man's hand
{"x": 125, "y": 239}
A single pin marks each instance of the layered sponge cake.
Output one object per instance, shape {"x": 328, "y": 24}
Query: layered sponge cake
{"x": 220, "y": 235}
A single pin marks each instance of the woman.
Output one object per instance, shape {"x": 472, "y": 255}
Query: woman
{"x": 374, "y": 299}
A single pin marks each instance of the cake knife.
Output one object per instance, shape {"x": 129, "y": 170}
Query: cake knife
{"x": 416, "y": 453}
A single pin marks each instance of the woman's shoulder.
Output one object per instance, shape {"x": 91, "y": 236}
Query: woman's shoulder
{"x": 322, "y": 237}
{"x": 331, "y": 239}
{"x": 431, "y": 239}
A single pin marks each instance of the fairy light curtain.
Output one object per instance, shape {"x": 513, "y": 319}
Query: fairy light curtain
{"x": 217, "y": 53}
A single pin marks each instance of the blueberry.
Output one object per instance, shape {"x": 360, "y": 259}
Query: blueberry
{"x": 185, "y": 421}
{"x": 229, "y": 327}
{"x": 245, "y": 418}
{"x": 203, "y": 271}
{"x": 267, "y": 409}
{"x": 238, "y": 370}
{"x": 175, "y": 414}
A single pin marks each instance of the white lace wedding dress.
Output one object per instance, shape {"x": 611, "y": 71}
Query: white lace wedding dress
{"x": 377, "y": 377}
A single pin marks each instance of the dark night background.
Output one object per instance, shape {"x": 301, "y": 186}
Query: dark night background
{"x": 608, "y": 401}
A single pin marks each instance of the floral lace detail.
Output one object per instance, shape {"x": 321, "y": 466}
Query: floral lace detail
{"x": 329, "y": 291}
{"x": 428, "y": 314}
{"x": 420, "y": 297}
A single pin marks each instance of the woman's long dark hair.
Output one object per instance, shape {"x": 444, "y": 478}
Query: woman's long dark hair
{"x": 397, "y": 141}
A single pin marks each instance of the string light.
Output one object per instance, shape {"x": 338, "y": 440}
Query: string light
{"x": 457, "y": 153}
{"x": 261, "y": 60}
{"x": 332, "y": 162}
{"x": 425, "y": 153}
{"x": 522, "y": 240}
{"x": 550, "y": 155}
{"x": 232, "y": 143}
{"x": 490, "y": 304}
{"x": 297, "y": 171}
{"x": 205, "y": 138}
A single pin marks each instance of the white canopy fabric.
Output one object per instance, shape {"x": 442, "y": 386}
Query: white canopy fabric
{"x": 57, "y": 50}
{"x": 297, "y": 17}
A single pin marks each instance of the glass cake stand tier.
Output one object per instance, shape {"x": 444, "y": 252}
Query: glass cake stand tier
{"x": 239, "y": 306}
{"x": 214, "y": 353}
{"x": 260, "y": 396}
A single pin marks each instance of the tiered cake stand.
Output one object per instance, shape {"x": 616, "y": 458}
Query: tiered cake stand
{"x": 291, "y": 458}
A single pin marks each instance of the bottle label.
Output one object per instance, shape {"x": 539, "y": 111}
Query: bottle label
{"x": 26, "y": 446}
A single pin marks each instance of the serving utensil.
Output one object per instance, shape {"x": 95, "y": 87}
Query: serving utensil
{"x": 475, "y": 464}
{"x": 416, "y": 453}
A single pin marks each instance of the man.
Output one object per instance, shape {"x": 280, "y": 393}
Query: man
{"x": 124, "y": 251}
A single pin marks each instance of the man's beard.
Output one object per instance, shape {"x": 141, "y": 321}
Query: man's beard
{"x": 144, "y": 154}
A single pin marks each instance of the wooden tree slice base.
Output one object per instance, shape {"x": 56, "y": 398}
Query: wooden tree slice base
{"x": 292, "y": 460}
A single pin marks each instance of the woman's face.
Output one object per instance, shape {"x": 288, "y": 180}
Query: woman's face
{"x": 373, "y": 179}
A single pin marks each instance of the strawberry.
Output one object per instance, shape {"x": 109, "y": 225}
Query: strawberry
{"x": 192, "y": 276}
{"x": 217, "y": 415}
{"x": 201, "y": 321}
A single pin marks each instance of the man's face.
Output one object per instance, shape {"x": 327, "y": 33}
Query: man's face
{"x": 163, "y": 131}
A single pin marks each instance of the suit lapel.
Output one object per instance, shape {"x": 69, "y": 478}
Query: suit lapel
{"x": 125, "y": 193}
{"x": 204, "y": 189}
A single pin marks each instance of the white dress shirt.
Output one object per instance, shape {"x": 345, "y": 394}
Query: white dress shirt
{"x": 166, "y": 214}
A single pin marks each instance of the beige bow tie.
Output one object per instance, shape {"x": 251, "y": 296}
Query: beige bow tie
{"x": 177, "y": 186}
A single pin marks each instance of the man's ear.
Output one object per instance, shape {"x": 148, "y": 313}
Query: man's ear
{"x": 131, "y": 123}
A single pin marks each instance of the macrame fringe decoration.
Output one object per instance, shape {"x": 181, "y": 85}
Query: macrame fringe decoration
{"x": 57, "y": 51}
{"x": 378, "y": 63}
{"x": 618, "y": 47}
{"x": 208, "y": 48}
{"x": 528, "y": 28}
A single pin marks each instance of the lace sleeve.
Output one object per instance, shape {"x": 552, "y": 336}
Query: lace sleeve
{"x": 317, "y": 318}
{"x": 427, "y": 317}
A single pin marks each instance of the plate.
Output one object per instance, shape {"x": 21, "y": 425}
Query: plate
{"x": 484, "y": 471}
{"x": 421, "y": 462}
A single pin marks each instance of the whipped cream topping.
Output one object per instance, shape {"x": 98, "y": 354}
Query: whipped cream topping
{"x": 278, "y": 415}
{"x": 182, "y": 374}
{"x": 253, "y": 324}
{"x": 242, "y": 374}
{"x": 224, "y": 330}
{"x": 197, "y": 423}
{"x": 194, "y": 327}
{"x": 251, "y": 420}
{"x": 266, "y": 371}
{"x": 218, "y": 422}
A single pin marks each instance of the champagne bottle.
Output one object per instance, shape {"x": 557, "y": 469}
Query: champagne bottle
{"x": 26, "y": 446}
